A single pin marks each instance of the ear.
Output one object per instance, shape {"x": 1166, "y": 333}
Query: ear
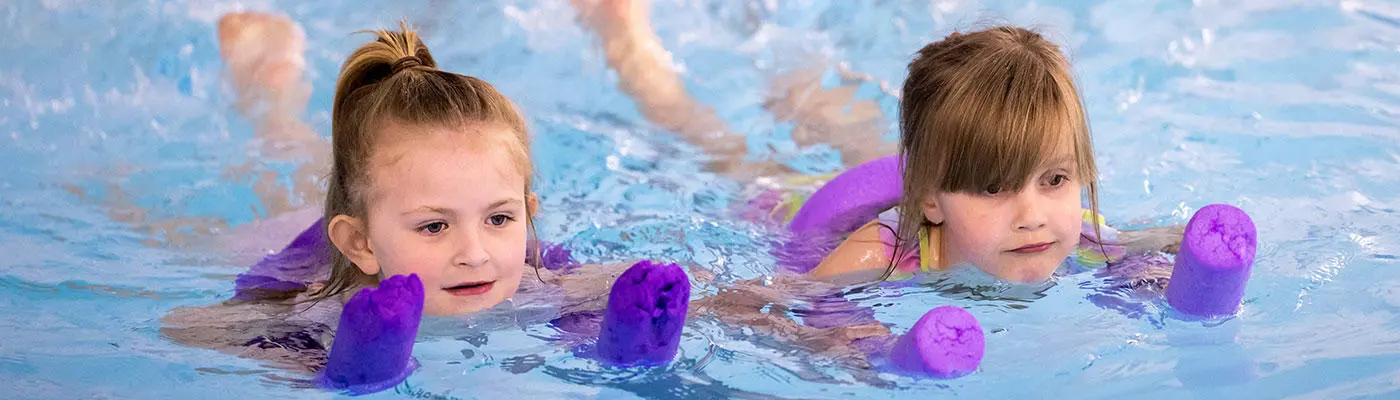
{"x": 932, "y": 212}
{"x": 532, "y": 204}
{"x": 349, "y": 235}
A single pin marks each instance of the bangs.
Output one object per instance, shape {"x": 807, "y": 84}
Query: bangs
{"x": 1005, "y": 122}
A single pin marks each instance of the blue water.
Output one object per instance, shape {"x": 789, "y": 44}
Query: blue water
{"x": 1288, "y": 109}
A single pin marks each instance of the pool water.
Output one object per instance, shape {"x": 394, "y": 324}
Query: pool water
{"x": 110, "y": 111}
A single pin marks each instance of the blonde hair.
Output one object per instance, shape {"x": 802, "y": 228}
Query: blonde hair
{"x": 982, "y": 110}
{"x": 394, "y": 79}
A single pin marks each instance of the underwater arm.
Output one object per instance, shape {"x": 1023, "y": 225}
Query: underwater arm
{"x": 1166, "y": 239}
{"x": 648, "y": 303}
{"x": 257, "y": 331}
{"x": 947, "y": 342}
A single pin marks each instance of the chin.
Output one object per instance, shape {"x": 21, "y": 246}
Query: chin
{"x": 455, "y": 306}
{"x": 1028, "y": 274}
{"x": 1037, "y": 276}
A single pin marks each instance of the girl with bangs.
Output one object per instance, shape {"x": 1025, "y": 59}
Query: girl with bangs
{"x": 995, "y": 165}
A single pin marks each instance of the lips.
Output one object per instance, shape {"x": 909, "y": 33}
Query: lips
{"x": 470, "y": 288}
{"x": 1033, "y": 248}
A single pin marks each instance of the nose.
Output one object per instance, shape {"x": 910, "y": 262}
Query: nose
{"x": 472, "y": 252}
{"x": 1030, "y": 211}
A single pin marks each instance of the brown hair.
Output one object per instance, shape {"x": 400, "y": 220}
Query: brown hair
{"x": 394, "y": 79}
{"x": 981, "y": 110}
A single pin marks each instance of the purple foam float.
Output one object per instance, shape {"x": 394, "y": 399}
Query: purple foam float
{"x": 373, "y": 348}
{"x": 645, "y": 315}
{"x": 946, "y": 343}
{"x": 1214, "y": 263}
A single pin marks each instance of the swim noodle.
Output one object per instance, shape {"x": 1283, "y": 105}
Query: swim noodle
{"x": 837, "y": 208}
{"x": 947, "y": 342}
{"x": 851, "y": 199}
{"x": 373, "y": 347}
{"x": 1214, "y": 263}
{"x": 645, "y": 315}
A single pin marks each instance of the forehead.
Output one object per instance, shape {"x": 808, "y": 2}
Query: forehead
{"x": 457, "y": 163}
{"x": 993, "y": 152}
{"x": 394, "y": 141}
{"x": 1059, "y": 149}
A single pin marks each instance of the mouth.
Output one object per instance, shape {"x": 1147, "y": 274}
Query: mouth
{"x": 1033, "y": 248}
{"x": 470, "y": 288}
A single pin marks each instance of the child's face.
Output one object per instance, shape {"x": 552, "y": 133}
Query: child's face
{"x": 447, "y": 205}
{"x": 1015, "y": 236}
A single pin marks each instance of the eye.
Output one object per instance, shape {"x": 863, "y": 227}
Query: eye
{"x": 1058, "y": 179}
{"x": 992, "y": 190}
{"x": 433, "y": 227}
{"x": 499, "y": 219}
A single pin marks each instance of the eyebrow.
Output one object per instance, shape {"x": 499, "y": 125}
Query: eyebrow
{"x": 503, "y": 202}
{"x": 429, "y": 209}
{"x": 1057, "y": 161}
{"x": 440, "y": 210}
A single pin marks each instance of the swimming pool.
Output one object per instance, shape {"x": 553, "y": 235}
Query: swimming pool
{"x": 1288, "y": 109}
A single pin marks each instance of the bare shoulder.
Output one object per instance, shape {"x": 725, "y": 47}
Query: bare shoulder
{"x": 860, "y": 255}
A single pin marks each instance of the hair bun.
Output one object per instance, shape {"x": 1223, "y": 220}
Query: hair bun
{"x": 406, "y": 62}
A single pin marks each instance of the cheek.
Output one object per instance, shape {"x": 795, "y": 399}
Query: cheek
{"x": 973, "y": 240}
{"x": 986, "y": 224}
{"x": 1072, "y": 223}
{"x": 509, "y": 283}
{"x": 404, "y": 255}
{"x": 1069, "y": 216}
{"x": 509, "y": 248}
{"x": 508, "y": 254}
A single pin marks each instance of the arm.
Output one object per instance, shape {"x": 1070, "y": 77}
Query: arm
{"x": 1166, "y": 239}
{"x": 373, "y": 339}
{"x": 260, "y": 331}
{"x": 765, "y": 305}
{"x": 741, "y": 303}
